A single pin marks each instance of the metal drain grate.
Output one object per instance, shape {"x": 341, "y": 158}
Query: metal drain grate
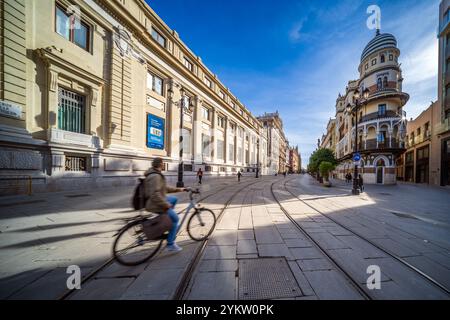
{"x": 261, "y": 279}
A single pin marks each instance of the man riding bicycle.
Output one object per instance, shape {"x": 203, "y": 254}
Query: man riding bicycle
{"x": 155, "y": 191}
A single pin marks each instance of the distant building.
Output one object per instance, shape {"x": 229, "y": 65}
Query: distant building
{"x": 276, "y": 140}
{"x": 420, "y": 162}
{"x": 294, "y": 160}
{"x": 381, "y": 125}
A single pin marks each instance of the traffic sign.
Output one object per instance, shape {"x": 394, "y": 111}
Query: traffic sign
{"x": 356, "y": 157}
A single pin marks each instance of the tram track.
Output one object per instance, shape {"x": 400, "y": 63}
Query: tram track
{"x": 355, "y": 284}
{"x": 110, "y": 261}
{"x": 185, "y": 282}
{"x": 423, "y": 274}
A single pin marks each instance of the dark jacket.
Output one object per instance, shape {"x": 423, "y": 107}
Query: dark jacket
{"x": 156, "y": 190}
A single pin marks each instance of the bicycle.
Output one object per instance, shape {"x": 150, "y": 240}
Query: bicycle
{"x": 131, "y": 246}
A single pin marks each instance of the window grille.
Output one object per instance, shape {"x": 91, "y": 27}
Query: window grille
{"x": 71, "y": 111}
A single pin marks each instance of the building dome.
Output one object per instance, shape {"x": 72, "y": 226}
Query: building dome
{"x": 381, "y": 41}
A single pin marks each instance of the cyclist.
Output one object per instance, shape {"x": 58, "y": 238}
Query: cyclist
{"x": 155, "y": 191}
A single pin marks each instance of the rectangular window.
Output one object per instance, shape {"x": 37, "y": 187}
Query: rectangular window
{"x": 187, "y": 142}
{"x": 233, "y": 105}
{"x": 205, "y": 145}
{"x": 220, "y": 149}
{"x": 71, "y": 111}
{"x": 70, "y": 27}
{"x": 231, "y": 152}
{"x": 239, "y": 159}
{"x": 374, "y": 62}
{"x": 208, "y": 82}
{"x": 221, "y": 122}
{"x": 382, "y": 110}
{"x": 159, "y": 38}
{"x": 75, "y": 164}
{"x": 188, "y": 65}
{"x": 206, "y": 114}
{"x": 222, "y": 95}
{"x": 155, "y": 83}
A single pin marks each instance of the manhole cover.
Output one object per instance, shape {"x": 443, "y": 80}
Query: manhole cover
{"x": 261, "y": 279}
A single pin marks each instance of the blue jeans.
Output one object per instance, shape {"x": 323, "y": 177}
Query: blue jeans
{"x": 175, "y": 219}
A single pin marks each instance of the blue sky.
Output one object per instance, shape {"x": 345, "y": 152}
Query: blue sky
{"x": 295, "y": 56}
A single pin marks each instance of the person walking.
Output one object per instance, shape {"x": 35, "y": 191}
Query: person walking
{"x": 360, "y": 183}
{"x": 239, "y": 175}
{"x": 284, "y": 174}
{"x": 200, "y": 175}
{"x": 155, "y": 191}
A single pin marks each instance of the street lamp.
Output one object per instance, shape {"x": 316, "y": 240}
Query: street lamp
{"x": 353, "y": 109}
{"x": 183, "y": 108}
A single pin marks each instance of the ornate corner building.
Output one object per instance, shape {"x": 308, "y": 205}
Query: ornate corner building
{"x": 91, "y": 91}
{"x": 381, "y": 119}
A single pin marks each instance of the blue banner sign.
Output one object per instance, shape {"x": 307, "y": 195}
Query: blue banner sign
{"x": 155, "y": 132}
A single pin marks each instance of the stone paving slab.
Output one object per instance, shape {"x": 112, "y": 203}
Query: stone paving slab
{"x": 314, "y": 264}
{"x": 305, "y": 253}
{"x": 220, "y": 252}
{"x": 274, "y": 250}
{"x": 246, "y": 235}
{"x": 154, "y": 281}
{"x": 103, "y": 289}
{"x": 224, "y": 238}
{"x": 436, "y": 271}
{"x": 328, "y": 241}
{"x": 331, "y": 285}
{"x": 268, "y": 235}
{"x": 246, "y": 247}
{"x": 297, "y": 243}
{"x": 362, "y": 246}
{"x": 218, "y": 266}
{"x": 214, "y": 286}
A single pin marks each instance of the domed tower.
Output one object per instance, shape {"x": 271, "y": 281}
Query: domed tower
{"x": 381, "y": 123}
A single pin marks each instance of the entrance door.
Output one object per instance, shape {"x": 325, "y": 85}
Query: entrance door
{"x": 380, "y": 175}
{"x": 380, "y": 167}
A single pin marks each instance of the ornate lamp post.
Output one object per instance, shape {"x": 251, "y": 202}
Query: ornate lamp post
{"x": 353, "y": 110}
{"x": 183, "y": 108}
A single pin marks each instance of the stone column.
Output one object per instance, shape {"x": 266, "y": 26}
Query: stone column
{"x": 225, "y": 141}
{"x": 213, "y": 135}
{"x": 197, "y": 130}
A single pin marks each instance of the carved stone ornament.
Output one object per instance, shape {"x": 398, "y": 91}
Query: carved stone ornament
{"x": 123, "y": 42}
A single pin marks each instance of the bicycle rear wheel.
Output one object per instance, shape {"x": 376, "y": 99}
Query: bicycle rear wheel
{"x": 201, "y": 224}
{"x": 132, "y": 247}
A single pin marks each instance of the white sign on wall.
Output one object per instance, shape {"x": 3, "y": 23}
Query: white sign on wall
{"x": 10, "y": 110}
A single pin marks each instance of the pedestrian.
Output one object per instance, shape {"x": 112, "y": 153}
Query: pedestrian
{"x": 155, "y": 191}
{"x": 200, "y": 175}
{"x": 239, "y": 175}
{"x": 361, "y": 183}
{"x": 284, "y": 174}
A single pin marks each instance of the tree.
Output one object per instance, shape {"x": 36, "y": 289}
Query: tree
{"x": 325, "y": 168}
{"x": 319, "y": 156}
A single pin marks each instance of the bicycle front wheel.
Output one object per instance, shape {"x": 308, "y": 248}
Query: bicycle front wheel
{"x": 132, "y": 247}
{"x": 201, "y": 224}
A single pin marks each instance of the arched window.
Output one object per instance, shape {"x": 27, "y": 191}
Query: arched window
{"x": 383, "y": 59}
{"x": 379, "y": 83}
{"x": 385, "y": 82}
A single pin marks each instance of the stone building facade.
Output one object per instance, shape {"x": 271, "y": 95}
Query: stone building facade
{"x": 381, "y": 119}
{"x": 91, "y": 91}
{"x": 277, "y": 145}
{"x": 442, "y": 125}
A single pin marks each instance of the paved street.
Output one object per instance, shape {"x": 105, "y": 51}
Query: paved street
{"x": 276, "y": 238}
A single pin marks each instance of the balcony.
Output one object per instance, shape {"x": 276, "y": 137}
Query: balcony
{"x": 389, "y": 92}
{"x": 443, "y": 127}
{"x": 376, "y": 115}
{"x": 372, "y": 144}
